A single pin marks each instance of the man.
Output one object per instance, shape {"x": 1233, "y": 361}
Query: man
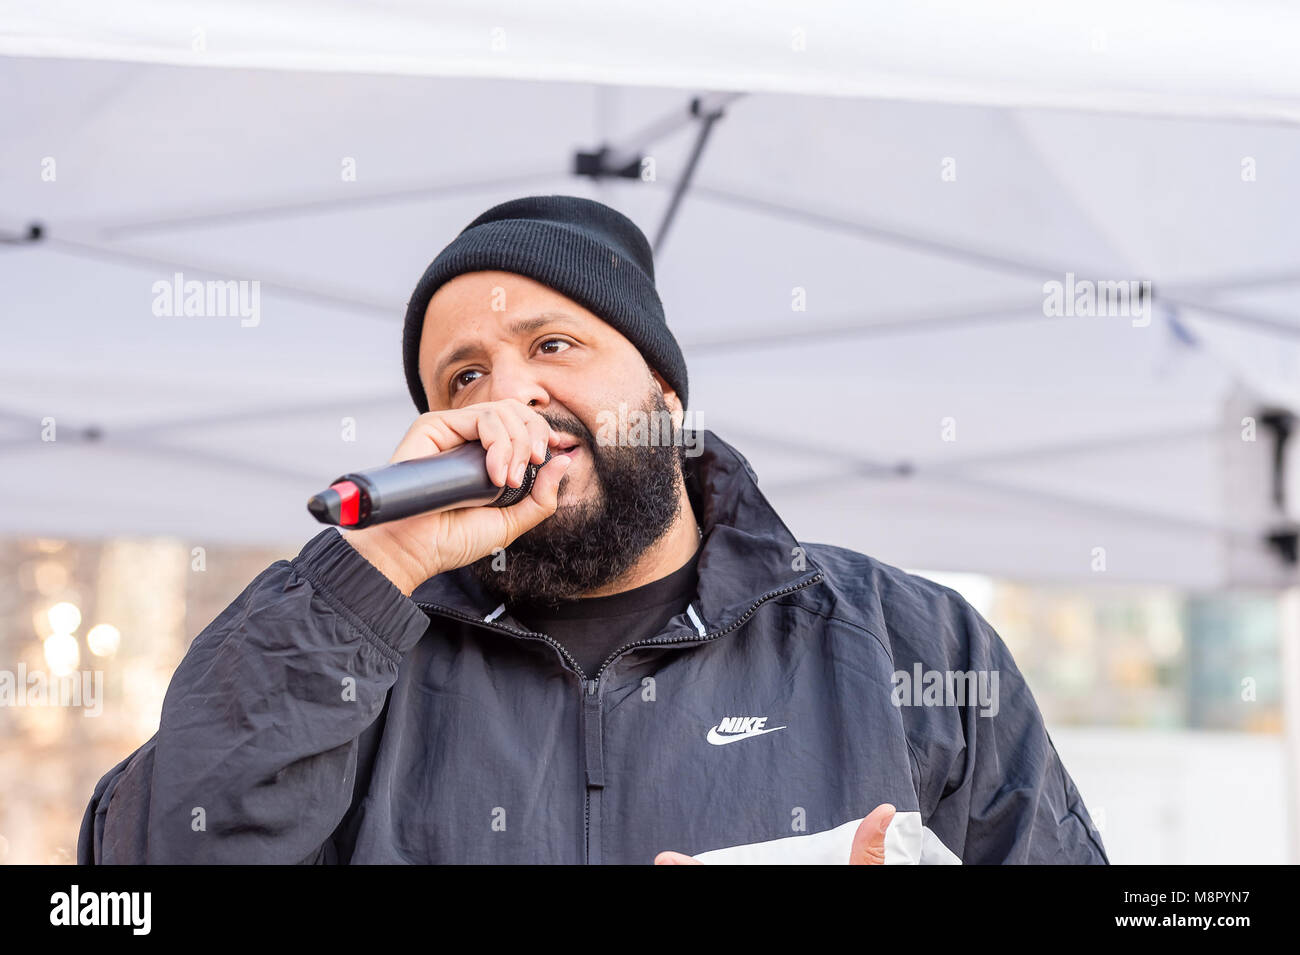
{"x": 637, "y": 662}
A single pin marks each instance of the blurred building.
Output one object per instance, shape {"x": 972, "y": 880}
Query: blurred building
{"x": 1130, "y": 677}
{"x": 156, "y": 596}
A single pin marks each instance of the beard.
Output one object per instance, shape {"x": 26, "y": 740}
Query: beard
{"x": 584, "y": 546}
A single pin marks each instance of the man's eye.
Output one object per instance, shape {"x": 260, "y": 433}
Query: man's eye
{"x": 462, "y": 379}
{"x": 554, "y": 341}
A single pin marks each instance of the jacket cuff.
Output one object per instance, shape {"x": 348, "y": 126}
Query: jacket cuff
{"x": 357, "y": 588}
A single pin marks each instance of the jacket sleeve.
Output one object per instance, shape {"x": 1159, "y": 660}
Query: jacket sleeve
{"x": 255, "y": 756}
{"x": 993, "y": 789}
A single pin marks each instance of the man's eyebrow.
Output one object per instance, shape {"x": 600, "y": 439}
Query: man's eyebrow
{"x": 523, "y": 326}
{"x": 459, "y": 355}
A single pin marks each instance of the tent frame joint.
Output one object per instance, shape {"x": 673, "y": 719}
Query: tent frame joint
{"x": 1281, "y": 424}
{"x": 1286, "y": 543}
{"x": 35, "y": 233}
{"x": 599, "y": 165}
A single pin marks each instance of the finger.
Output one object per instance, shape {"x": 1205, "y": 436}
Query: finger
{"x": 427, "y": 435}
{"x": 436, "y": 431}
{"x": 493, "y": 435}
{"x": 539, "y": 435}
{"x": 540, "y": 503}
{"x": 537, "y": 428}
{"x": 675, "y": 858}
{"x": 869, "y": 840}
{"x": 520, "y": 448}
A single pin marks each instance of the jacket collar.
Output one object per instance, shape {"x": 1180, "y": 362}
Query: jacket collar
{"x": 747, "y": 555}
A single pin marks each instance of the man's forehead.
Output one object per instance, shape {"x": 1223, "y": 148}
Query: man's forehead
{"x": 444, "y": 346}
{"x": 453, "y": 334}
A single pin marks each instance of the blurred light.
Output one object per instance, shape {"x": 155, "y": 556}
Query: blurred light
{"x": 1165, "y": 643}
{"x": 41, "y": 623}
{"x": 103, "y": 639}
{"x": 62, "y": 653}
{"x": 64, "y": 617}
{"x": 50, "y": 577}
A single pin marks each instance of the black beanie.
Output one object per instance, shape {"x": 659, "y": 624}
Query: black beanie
{"x": 582, "y": 249}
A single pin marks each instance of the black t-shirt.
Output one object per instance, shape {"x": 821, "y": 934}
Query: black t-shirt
{"x": 591, "y": 628}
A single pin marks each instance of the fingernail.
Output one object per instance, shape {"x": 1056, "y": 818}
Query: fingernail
{"x": 519, "y": 470}
{"x": 539, "y": 448}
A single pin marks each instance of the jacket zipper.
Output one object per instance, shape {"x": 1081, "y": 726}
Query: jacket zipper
{"x": 593, "y": 738}
{"x": 592, "y": 714}
{"x": 695, "y": 637}
{"x": 587, "y": 688}
{"x": 470, "y": 618}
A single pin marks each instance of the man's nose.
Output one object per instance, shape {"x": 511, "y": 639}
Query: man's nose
{"x": 520, "y": 385}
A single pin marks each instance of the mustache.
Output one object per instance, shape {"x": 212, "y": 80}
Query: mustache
{"x": 569, "y": 425}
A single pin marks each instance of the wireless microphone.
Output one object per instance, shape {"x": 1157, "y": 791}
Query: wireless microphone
{"x": 451, "y": 479}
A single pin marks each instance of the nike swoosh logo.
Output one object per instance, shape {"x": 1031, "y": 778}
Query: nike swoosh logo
{"x": 717, "y": 739}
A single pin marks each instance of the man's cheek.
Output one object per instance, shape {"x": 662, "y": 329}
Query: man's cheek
{"x": 578, "y": 483}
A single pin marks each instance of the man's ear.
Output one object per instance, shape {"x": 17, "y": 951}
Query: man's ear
{"x": 670, "y": 398}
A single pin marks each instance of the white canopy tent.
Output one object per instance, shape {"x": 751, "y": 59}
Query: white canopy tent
{"x": 921, "y": 407}
{"x": 911, "y": 174}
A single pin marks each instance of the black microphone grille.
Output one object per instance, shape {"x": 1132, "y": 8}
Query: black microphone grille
{"x": 512, "y": 495}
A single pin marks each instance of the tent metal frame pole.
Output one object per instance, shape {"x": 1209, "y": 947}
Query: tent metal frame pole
{"x": 132, "y": 442}
{"x": 217, "y": 216}
{"x": 192, "y": 455}
{"x": 916, "y": 323}
{"x": 863, "y": 467}
{"x": 105, "y": 253}
{"x": 260, "y": 414}
{"x": 1002, "y": 262}
{"x": 707, "y": 118}
{"x": 907, "y": 467}
{"x": 1059, "y": 502}
{"x": 1233, "y": 283}
{"x": 33, "y": 233}
{"x": 143, "y": 438}
{"x": 634, "y": 146}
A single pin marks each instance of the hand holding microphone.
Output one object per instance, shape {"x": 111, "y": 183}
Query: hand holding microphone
{"x": 421, "y": 543}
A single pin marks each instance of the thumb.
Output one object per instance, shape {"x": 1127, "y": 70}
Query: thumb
{"x": 541, "y": 502}
{"x": 675, "y": 858}
{"x": 869, "y": 840}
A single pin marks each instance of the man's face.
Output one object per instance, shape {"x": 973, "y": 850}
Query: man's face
{"x": 494, "y": 335}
